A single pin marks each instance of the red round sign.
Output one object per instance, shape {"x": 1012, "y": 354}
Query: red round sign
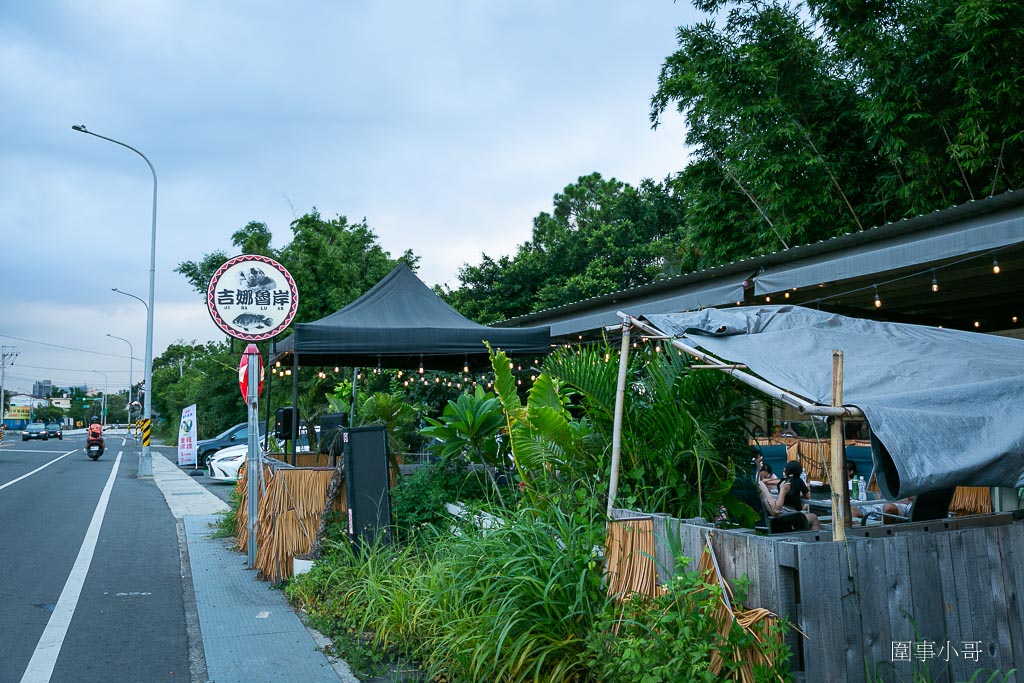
{"x": 243, "y": 371}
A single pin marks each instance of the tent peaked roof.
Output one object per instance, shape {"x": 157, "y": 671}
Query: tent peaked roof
{"x": 399, "y": 320}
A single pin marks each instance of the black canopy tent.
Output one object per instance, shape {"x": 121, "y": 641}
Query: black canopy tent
{"x": 400, "y": 323}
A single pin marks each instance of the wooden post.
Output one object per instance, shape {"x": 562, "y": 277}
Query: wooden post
{"x": 840, "y": 495}
{"x": 620, "y": 400}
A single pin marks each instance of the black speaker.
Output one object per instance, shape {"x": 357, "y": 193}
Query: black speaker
{"x": 367, "y": 485}
{"x": 331, "y": 436}
{"x": 284, "y": 422}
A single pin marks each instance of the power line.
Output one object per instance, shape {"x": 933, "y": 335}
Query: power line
{"x": 66, "y": 348}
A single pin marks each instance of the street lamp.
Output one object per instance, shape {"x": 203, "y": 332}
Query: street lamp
{"x": 131, "y": 359}
{"x": 103, "y": 399}
{"x": 146, "y": 457}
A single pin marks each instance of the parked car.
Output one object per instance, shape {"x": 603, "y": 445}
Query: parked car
{"x": 206, "y": 448}
{"x": 223, "y": 465}
{"x": 54, "y": 430}
{"x": 35, "y": 430}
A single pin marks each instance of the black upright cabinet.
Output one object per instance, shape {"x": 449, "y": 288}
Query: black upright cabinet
{"x": 367, "y": 485}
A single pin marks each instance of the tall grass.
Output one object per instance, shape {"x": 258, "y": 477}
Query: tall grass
{"x": 516, "y": 603}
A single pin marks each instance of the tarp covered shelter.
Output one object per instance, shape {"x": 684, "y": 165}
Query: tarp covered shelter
{"x": 399, "y": 323}
{"x": 945, "y": 407}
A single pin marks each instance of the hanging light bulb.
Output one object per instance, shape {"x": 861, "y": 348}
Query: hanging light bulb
{"x": 977, "y": 324}
{"x": 288, "y": 371}
{"x": 458, "y": 385}
{"x": 935, "y": 282}
{"x": 335, "y": 369}
{"x": 657, "y": 348}
{"x": 421, "y": 365}
{"x": 277, "y": 364}
{"x": 437, "y": 380}
{"x": 405, "y": 383}
{"x": 767, "y": 299}
{"x": 358, "y": 375}
{"x": 1015, "y": 319}
{"x": 878, "y": 301}
{"x": 465, "y": 369}
{"x": 533, "y": 378}
{"x": 519, "y": 382}
{"x": 399, "y": 374}
{"x": 995, "y": 266}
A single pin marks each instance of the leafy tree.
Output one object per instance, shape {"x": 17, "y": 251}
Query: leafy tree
{"x": 810, "y": 120}
{"x": 602, "y": 235}
{"x": 47, "y": 414}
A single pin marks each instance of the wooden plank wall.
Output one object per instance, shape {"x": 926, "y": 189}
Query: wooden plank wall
{"x": 943, "y": 585}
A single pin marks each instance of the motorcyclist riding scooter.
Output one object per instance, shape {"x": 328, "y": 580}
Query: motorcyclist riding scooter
{"x": 94, "y": 439}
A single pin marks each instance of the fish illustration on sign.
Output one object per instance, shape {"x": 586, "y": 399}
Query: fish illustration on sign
{"x": 256, "y": 279}
{"x": 248, "y": 321}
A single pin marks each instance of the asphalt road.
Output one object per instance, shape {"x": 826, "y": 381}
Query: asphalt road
{"x": 128, "y": 622}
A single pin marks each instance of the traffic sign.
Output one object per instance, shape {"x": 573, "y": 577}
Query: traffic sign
{"x": 243, "y": 371}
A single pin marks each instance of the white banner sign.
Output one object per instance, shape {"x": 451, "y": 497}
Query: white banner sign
{"x": 187, "y": 437}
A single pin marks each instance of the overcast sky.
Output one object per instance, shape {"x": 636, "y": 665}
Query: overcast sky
{"x": 447, "y": 125}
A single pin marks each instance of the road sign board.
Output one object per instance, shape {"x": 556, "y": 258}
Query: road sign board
{"x": 252, "y": 297}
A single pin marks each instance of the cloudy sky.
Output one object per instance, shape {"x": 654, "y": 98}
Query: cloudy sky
{"x": 448, "y": 125}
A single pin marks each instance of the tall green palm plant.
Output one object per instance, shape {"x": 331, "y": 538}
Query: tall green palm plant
{"x": 683, "y": 430}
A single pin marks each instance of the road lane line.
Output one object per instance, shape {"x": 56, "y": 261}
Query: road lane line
{"x": 41, "y": 467}
{"x": 40, "y": 667}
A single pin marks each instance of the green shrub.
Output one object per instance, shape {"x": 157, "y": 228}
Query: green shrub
{"x": 671, "y": 638}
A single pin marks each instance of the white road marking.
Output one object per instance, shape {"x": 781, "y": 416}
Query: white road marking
{"x": 41, "y": 467}
{"x": 40, "y": 667}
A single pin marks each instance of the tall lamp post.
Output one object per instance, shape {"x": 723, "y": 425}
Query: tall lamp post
{"x": 146, "y": 457}
{"x": 131, "y": 359}
{"x": 103, "y": 400}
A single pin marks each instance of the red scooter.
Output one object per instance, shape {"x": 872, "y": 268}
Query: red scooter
{"x": 94, "y": 441}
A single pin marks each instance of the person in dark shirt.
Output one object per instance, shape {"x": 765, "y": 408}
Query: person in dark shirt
{"x": 792, "y": 492}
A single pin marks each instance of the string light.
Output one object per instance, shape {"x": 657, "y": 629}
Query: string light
{"x": 878, "y": 301}
{"x": 277, "y": 364}
{"x": 288, "y": 371}
{"x": 995, "y": 266}
{"x": 421, "y": 365}
{"x": 767, "y": 299}
{"x": 1014, "y": 318}
{"x": 399, "y": 374}
{"x": 786, "y": 295}
{"x": 977, "y": 324}
{"x": 935, "y": 282}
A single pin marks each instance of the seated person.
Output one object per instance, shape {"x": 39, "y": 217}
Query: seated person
{"x": 900, "y": 508}
{"x": 792, "y": 490}
{"x": 765, "y": 474}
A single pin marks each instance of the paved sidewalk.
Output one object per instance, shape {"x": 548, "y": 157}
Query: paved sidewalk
{"x": 250, "y": 634}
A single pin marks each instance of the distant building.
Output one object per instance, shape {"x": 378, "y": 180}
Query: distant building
{"x": 42, "y": 389}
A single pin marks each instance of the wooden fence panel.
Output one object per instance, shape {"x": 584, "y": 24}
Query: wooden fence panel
{"x": 821, "y": 613}
{"x": 988, "y": 542}
{"x": 1011, "y": 550}
{"x": 925, "y": 586}
{"x": 939, "y": 584}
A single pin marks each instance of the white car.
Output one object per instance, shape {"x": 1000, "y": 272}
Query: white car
{"x": 225, "y": 463}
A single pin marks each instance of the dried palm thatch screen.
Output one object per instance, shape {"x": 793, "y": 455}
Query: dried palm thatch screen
{"x": 630, "y": 571}
{"x": 242, "y": 513}
{"x": 288, "y": 517}
{"x": 971, "y": 500}
{"x": 629, "y": 558}
{"x": 757, "y": 622}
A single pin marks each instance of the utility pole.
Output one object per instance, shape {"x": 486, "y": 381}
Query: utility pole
{"x": 4, "y": 356}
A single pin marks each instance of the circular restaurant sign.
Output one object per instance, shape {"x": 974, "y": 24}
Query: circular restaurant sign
{"x": 252, "y": 297}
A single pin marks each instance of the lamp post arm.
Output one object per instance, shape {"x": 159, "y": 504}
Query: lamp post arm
{"x": 145, "y": 457}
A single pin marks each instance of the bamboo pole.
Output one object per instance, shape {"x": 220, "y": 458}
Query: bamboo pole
{"x": 840, "y": 495}
{"x": 620, "y": 401}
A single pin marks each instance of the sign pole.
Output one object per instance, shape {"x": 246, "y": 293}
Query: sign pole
{"x": 252, "y": 461}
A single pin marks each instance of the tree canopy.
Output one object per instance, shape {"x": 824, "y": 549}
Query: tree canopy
{"x": 601, "y": 236}
{"x": 807, "y": 122}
